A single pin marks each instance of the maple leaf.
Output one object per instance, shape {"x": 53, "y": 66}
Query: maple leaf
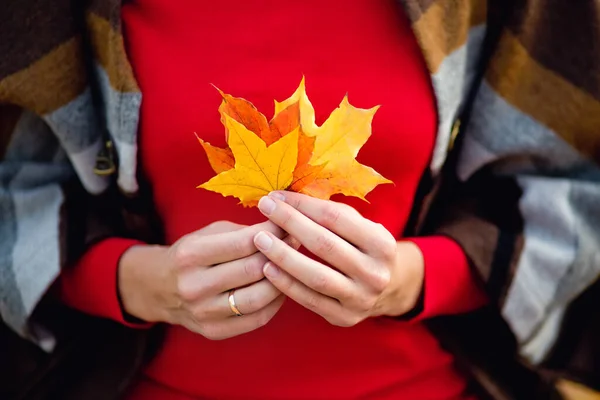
{"x": 258, "y": 169}
{"x": 246, "y": 114}
{"x": 290, "y": 151}
{"x": 220, "y": 159}
{"x": 284, "y": 121}
{"x": 337, "y": 143}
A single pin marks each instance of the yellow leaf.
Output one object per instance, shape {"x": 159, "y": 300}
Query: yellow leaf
{"x": 354, "y": 179}
{"x": 337, "y": 143}
{"x": 283, "y": 123}
{"x": 343, "y": 134}
{"x": 307, "y": 112}
{"x": 321, "y": 162}
{"x": 258, "y": 169}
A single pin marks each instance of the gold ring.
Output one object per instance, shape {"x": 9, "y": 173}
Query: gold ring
{"x": 232, "y": 305}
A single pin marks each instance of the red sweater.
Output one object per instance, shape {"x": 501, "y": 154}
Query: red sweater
{"x": 259, "y": 50}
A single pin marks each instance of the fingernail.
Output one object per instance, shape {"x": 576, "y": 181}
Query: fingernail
{"x": 263, "y": 241}
{"x": 271, "y": 270}
{"x": 266, "y": 205}
{"x": 277, "y": 195}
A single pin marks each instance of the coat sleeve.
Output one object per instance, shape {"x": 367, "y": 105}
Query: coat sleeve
{"x": 33, "y": 174}
{"x": 66, "y": 89}
{"x": 524, "y": 208}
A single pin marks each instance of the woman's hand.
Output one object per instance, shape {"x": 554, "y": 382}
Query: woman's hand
{"x": 372, "y": 274}
{"x": 188, "y": 283}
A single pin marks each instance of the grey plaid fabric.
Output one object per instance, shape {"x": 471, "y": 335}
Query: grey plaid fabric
{"x": 535, "y": 124}
{"x": 50, "y": 134}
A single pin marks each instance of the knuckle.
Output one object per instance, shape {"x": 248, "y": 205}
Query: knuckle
{"x": 325, "y": 244}
{"x": 241, "y": 246}
{"x": 294, "y": 201}
{"x": 199, "y": 315}
{"x": 185, "y": 290}
{"x": 216, "y": 228}
{"x": 225, "y": 225}
{"x": 286, "y": 218}
{"x": 346, "y": 321}
{"x": 211, "y": 286}
{"x": 279, "y": 255}
{"x": 286, "y": 283}
{"x": 353, "y": 320}
{"x": 214, "y": 332}
{"x": 210, "y": 332}
{"x": 366, "y": 303}
{"x": 320, "y": 283}
{"x": 253, "y": 266}
{"x": 183, "y": 254}
{"x": 331, "y": 215}
{"x": 201, "y": 327}
{"x": 348, "y": 209}
{"x": 389, "y": 249}
{"x": 387, "y": 245}
{"x": 213, "y": 226}
{"x": 380, "y": 279}
{"x": 312, "y": 302}
{"x": 263, "y": 318}
{"x": 293, "y": 242}
{"x": 342, "y": 323}
{"x": 252, "y": 302}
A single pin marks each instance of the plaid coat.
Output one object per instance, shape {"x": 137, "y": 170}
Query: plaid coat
{"x": 525, "y": 204}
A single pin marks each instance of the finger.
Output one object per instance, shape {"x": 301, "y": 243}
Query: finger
{"x": 219, "y": 227}
{"x": 197, "y": 283}
{"x": 196, "y": 250}
{"x": 311, "y": 273}
{"x": 230, "y": 327}
{"x": 248, "y": 300}
{"x": 345, "y": 221}
{"x": 330, "y": 309}
{"x": 317, "y": 239}
{"x": 292, "y": 242}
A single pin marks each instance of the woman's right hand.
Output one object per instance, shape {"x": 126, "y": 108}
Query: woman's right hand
{"x": 188, "y": 283}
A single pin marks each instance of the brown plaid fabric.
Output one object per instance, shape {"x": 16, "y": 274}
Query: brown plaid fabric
{"x": 62, "y": 63}
{"x": 525, "y": 209}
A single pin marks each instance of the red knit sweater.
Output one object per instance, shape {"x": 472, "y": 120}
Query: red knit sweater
{"x": 259, "y": 50}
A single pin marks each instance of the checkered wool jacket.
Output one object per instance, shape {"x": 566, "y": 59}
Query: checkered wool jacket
{"x": 525, "y": 207}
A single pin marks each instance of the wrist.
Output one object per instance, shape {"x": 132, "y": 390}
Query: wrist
{"x": 139, "y": 280}
{"x": 450, "y": 285}
{"x": 407, "y": 280}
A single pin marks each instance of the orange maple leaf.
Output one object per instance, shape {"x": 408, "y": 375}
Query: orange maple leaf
{"x": 284, "y": 121}
{"x": 246, "y": 114}
{"x": 220, "y": 159}
{"x": 325, "y": 157}
{"x": 259, "y": 169}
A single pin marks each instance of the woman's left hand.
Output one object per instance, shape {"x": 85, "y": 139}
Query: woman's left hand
{"x": 372, "y": 274}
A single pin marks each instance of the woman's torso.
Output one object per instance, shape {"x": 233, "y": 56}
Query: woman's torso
{"x": 260, "y": 50}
